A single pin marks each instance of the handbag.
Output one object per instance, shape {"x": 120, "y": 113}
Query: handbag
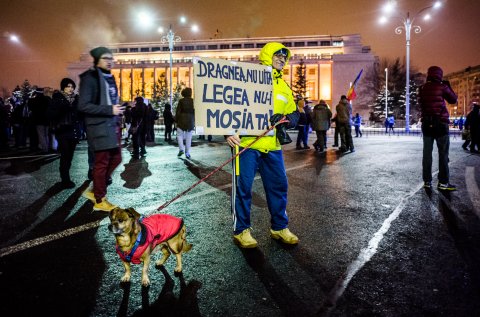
{"x": 134, "y": 128}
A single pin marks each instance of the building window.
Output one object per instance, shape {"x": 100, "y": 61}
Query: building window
{"x": 178, "y": 48}
{"x": 312, "y": 43}
{"x": 201, "y": 47}
{"x": 123, "y": 50}
{"x": 114, "y": 50}
{"x": 145, "y": 49}
{"x": 248, "y": 45}
{"x": 299, "y": 44}
{"x": 134, "y": 49}
{"x": 165, "y": 49}
{"x": 312, "y": 71}
{"x": 260, "y": 45}
{"x": 286, "y": 71}
{"x": 189, "y": 48}
{"x": 325, "y": 43}
{"x": 337, "y": 43}
{"x": 236, "y": 45}
{"x": 224, "y": 46}
{"x": 287, "y": 44}
{"x": 212, "y": 47}
{"x": 155, "y": 49}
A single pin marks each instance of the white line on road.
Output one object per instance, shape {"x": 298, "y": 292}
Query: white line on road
{"x": 367, "y": 253}
{"x": 27, "y": 156}
{"x": 472, "y": 189}
{"x": 145, "y": 210}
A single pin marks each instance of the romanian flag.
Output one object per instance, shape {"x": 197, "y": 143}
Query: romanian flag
{"x": 351, "y": 91}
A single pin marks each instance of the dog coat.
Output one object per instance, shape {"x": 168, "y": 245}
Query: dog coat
{"x": 156, "y": 229}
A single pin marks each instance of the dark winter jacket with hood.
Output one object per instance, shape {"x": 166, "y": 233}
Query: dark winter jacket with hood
{"x": 433, "y": 93}
{"x": 103, "y": 127}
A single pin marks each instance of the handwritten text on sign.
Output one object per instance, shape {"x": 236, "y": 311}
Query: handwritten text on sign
{"x": 231, "y": 97}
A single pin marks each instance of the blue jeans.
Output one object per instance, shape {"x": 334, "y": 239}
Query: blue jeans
{"x": 272, "y": 170}
{"x": 302, "y": 135}
{"x": 443, "y": 144}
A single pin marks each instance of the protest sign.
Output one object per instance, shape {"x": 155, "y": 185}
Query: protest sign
{"x": 231, "y": 97}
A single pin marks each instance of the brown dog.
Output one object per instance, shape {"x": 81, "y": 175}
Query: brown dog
{"x": 138, "y": 237}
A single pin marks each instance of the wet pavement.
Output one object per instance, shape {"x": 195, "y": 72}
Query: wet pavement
{"x": 373, "y": 242}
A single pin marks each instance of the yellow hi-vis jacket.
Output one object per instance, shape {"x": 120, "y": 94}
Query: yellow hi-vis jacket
{"x": 283, "y": 101}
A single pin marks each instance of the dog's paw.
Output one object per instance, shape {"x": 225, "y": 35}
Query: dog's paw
{"x": 145, "y": 281}
{"x": 125, "y": 278}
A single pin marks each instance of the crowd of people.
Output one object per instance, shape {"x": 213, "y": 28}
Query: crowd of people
{"x": 58, "y": 120}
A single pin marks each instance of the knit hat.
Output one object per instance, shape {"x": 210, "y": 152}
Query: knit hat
{"x": 97, "y": 52}
{"x": 65, "y": 82}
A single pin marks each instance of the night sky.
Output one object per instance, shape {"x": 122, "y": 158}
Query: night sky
{"x": 55, "y": 32}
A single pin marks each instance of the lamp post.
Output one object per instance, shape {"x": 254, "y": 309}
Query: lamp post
{"x": 147, "y": 20}
{"x": 408, "y": 25}
{"x": 386, "y": 93}
{"x": 171, "y": 39}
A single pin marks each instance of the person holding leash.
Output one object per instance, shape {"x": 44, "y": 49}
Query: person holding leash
{"x": 266, "y": 156}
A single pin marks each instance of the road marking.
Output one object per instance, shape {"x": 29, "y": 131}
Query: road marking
{"x": 366, "y": 253}
{"x": 472, "y": 189}
{"x": 51, "y": 237}
{"x": 28, "y": 156}
{"x": 144, "y": 210}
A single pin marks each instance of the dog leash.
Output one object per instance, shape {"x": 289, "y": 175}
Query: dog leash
{"x": 283, "y": 120}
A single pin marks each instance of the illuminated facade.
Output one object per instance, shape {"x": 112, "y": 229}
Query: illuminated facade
{"x": 332, "y": 62}
{"x": 466, "y": 84}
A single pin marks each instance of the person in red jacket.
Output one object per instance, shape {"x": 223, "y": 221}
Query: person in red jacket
{"x": 435, "y": 119}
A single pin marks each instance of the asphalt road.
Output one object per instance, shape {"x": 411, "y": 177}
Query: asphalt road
{"x": 373, "y": 242}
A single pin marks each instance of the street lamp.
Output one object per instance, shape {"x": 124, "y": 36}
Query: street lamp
{"x": 171, "y": 39}
{"x": 386, "y": 93}
{"x": 11, "y": 37}
{"x": 407, "y": 27}
{"x": 147, "y": 20}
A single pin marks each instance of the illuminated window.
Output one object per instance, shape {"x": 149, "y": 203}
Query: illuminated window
{"x": 126, "y": 90}
{"x": 148, "y": 84}
{"x": 137, "y": 82}
{"x": 326, "y": 81}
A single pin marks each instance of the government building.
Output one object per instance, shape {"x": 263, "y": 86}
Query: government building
{"x": 332, "y": 63}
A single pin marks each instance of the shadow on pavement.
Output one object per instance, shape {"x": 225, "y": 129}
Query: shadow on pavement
{"x": 28, "y": 165}
{"x": 288, "y": 302}
{"x": 135, "y": 171}
{"x": 22, "y": 219}
{"x": 466, "y": 243}
{"x": 166, "y": 304}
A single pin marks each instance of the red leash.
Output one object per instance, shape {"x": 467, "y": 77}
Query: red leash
{"x": 283, "y": 120}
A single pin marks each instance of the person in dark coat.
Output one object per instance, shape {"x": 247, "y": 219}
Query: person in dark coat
{"x": 473, "y": 125}
{"x": 435, "y": 121}
{"x": 303, "y": 126}
{"x": 63, "y": 121}
{"x": 99, "y": 101}
{"x": 139, "y": 123}
{"x": 185, "y": 119}
{"x": 344, "y": 123}
{"x": 168, "y": 122}
{"x": 321, "y": 117}
{"x": 38, "y": 105}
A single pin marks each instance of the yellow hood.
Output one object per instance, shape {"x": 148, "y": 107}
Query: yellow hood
{"x": 266, "y": 54}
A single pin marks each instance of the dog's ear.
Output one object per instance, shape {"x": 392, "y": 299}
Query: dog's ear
{"x": 133, "y": 213}
{"x": 113, "y": 212}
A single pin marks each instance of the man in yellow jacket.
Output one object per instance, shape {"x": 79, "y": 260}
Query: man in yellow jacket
{"x": 266, "y": 156}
